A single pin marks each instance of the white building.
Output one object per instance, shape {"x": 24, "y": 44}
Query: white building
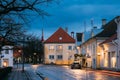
{"x": 6, "y": 56}
{"x": 89, "y": 47}
{"x": 104, "y": 47}
{"x": 59, "y": 48}
{"x": 117, "y": 20}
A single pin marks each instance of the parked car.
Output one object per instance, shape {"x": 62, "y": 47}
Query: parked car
{"x": 75, "y": 65}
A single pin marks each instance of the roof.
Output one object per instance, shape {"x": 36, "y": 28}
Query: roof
{"x": 113, "y": 37}
{"x": 96, "y": 31}
{"x": 60, "y": 36}
{"x": 87, "y": 35}
{"x": 109, "y": 29}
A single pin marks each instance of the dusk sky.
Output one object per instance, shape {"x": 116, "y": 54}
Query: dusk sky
{"x": 73, "y": 13}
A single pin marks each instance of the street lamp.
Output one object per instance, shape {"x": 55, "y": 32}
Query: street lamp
{"x": 22, "y": 61}
{"x": 34, "y": 57}
{"x": 19, "y": 52}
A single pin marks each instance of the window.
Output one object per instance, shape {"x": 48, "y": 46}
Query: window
{"x": 69, "y": 47}
{"x": 51, "y": 56}
{"x": 59, "y": 47}
{"x": 60, "y": 38}
{"x": 5, "y": 62}
{"x": 59, "y": 56}
{"x": 6, "y": 51}
{"x": 51, "y": 47}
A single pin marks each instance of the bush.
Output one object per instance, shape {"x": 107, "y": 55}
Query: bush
{"x": 4, "y": 72}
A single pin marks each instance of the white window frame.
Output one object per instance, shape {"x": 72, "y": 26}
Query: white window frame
{"x": 69, "y": 47}
{"x": 59, "y": 57}
{"x": 51, "y": 57}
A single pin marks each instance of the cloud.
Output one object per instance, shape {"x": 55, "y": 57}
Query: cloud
{"x": 73, "y": 13}
{"x": 93, "y": 9}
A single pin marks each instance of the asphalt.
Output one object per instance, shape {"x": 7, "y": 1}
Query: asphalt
{"x": 18, "y": 74}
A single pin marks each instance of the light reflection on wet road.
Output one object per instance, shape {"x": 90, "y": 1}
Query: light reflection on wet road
{"x": 65, "y": 73}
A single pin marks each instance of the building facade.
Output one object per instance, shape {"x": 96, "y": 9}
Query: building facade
{"x": 59, "y": 48}
{"x": 7, "y": 56}
{"x": 103, "y": 48}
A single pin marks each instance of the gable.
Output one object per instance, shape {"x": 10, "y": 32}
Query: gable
{"x": 60, "y": 36}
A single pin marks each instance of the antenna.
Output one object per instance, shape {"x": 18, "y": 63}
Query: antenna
{"x": 84, "y": 26}
{"x": 42, "y": 38}
{"x": 92, "y": 22}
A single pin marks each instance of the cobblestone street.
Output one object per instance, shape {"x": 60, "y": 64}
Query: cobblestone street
{"x": 53, "y": 72}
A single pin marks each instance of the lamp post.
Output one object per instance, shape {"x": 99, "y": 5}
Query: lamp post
{"x": 34, "y": 57}
{"x": 22, "y": 62}
{"x": 19, "y": 51}
{"x": 23, "y": 54}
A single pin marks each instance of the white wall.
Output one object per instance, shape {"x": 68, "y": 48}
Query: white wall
{"x": 8, "y": 56}
{"x": 118, "y": 33}
{"x": 118, "y": 41}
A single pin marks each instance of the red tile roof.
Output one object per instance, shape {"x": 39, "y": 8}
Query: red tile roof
{"x": 60, "y": 36}
{"x": 113, "y": 37}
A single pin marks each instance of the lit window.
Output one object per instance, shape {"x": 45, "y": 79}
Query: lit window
{"x": 59, "y": 47}
{"x": 51, "y": 47}
{"x": 5, "y": 62}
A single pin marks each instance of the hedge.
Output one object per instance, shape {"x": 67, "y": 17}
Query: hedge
{"x": 4, "y": 72}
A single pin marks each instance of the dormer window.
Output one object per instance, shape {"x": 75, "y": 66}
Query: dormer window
{"x": 60, "y": 38}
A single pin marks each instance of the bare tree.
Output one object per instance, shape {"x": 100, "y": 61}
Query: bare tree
{"x": 19, "y": 12}
{"x": 10, "y": 29}
{"x": 17, "y": 6}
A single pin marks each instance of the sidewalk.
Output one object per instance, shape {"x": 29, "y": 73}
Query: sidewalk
{"x": 106, "y": 72}
{"x": 28, "y": 74}
{"x": 17, "y": 74}
{"x": 110, "y": 72}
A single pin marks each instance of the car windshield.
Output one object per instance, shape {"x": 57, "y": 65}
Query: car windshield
{"x": 76, "y": 63}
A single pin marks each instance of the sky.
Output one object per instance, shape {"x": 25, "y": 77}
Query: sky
{"x": 73, "y": 14}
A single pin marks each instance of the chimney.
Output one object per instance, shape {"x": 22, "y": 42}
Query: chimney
{"x": 95, "y": 27}
{"x": 103, "y": 22}
{"x": 72, "y": 34}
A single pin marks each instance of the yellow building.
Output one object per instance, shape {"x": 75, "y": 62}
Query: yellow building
{"x": 59, "y": 48}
